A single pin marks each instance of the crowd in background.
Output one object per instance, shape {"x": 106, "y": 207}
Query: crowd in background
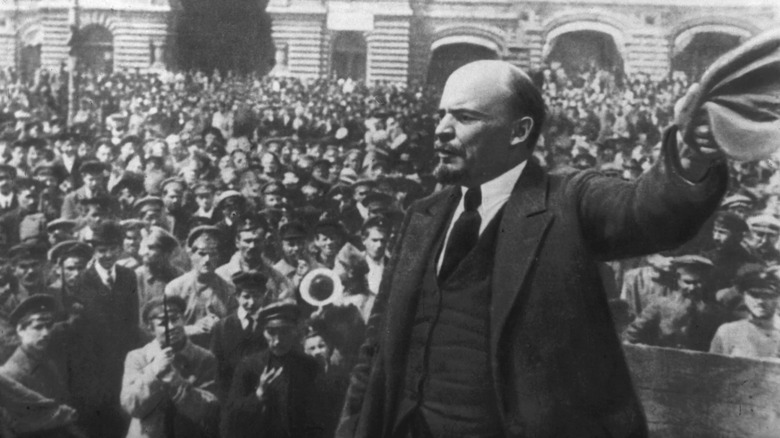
{"x": 221, "y": 193}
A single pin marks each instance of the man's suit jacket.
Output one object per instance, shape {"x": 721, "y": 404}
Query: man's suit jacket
{"x": 557, "y": 365}
{"x": 230, "y": 343}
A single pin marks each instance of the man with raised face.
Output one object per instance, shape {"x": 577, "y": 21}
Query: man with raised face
{"x": 476, "y": 332}
{"x": 756, "y": 336}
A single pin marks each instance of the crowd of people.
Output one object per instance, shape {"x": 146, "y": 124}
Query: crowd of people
{"x": 154, "y": 280}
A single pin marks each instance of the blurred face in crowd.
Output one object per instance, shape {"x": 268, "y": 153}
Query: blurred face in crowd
{"x": 94, "y": 214}
{"x": 34, "y": 155}
{"x": 175, "y": 327}
{"x": 477, "y": 125}
{"x": 35, "y": 332}
{"x": 250, "y": 299}
{"x": 59, "y": 234}
{"x": 292, "y": 249}
{"x": 764, "y": 237}
{"x": 360, "y": 193}
{"x": 132, "y": 242}
{"x": 204, "y": 253}
{"x": 328, "y": 244}
{"x": 250, "y": 244}
{"x": 83, "y": 150}
{"x": 6, "y": 183}
{"x": 269, "y": 164}
{"x": 721, "y": 236}
{"x": 72, "y": 268}
{"x": 280, "y": 336}
{"x": 690, "y": 282}
{"x": 310, "y": 193}
{"x": 173, "y": 197}
{"x": 151, "y": 252}
{"x": 240, "y": 160}
{"x": 104, "y": 153}
{"x": 93, "y": 182}
{"x": 204, "y": 200}
{"x": 273, "y": 200}
{"x": 29, "y": 273}
{"x": 375, "y": 242}
{"x": 317, "y": 348}
{"x": 107, "y": 254}
{"x": 27, "y": 199}
{"x": 126, "y": 197}
{"x": 761, "y": 303}
{"x": 376, "y": 170}
{"x": 68, "y": 148}
{"x": 18, "y": 155}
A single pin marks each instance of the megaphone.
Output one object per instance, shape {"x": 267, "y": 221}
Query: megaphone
{"x": 320, "y": 287}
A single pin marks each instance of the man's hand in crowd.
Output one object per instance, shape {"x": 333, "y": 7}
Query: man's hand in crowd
{"x": 163, "y": 361}
{"x": 268, "y": 376}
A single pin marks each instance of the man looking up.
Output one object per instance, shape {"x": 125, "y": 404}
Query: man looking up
{"x": 476, "y": 331}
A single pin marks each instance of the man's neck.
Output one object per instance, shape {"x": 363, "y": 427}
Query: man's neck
{"x": 762, "y": 323}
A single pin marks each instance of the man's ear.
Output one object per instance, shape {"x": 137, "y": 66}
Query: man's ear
{"x": 521, "y": 130}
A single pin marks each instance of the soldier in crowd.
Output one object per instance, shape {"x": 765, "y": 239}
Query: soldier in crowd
{"x": 169, "y": 385}
{"x": 240, "y": 334}
{"x": 641, "y": 285}
{"x": 27, "y": 192}
{"x": 29, "y": 268}
{"x": 156, "y": 271}
{"x": 252, "y": 233}
{"x": 681, "y": 319}
{"x": 765, "y": 229}
{"x": 60, "y": 230}
{"x": 292, "y": 236}
{"x": 329, "y": 237}
{"x": 70, "y": 259}
{"x": 728, "y": 253}
{"x": 757, "y": 335}
{"x": 177, "y": 215}
{"x": 209, "y": 297}
{"x": 273, "y": 393}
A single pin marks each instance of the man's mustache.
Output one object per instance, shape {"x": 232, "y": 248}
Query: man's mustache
{"x": 447, "y": 149}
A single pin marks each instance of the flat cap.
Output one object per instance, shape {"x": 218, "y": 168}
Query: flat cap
{"x": 70, "y": 248}
{"x": 292, "y": 230}
{"x": 61, "y": 224}
{"x": 764, "y": 222}
{"x": 286, "y": 312}
{"x": 34, "y": 305}
{"x": 249, "y": 280}
{"x": 202, "y": 229}
{"x": 93, "y": 167}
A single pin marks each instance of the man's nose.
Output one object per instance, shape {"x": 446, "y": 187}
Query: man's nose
{"x": 444, "y": 130}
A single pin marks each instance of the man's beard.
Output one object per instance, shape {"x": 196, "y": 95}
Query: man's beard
{"x": 449, "y": 174}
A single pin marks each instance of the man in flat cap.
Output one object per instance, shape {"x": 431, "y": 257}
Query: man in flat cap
{"x": 26, "y": 211}
{"x": 169, "y": 385}
{"x": 757, "y": 335}
{"x": 93, "y": 174}
{"x": 93, "y": 210}
{"x": 240, "y": 334}
{"x": 60, "y": 230}
{"x": 173, "y": 193}
{"x": 8, "y": 199}
{"x": 329, "y": 237}
{"x": 728, "y": 253}
{"x": 156, "y": 271}
{"x": 204, "y": 199}
{"x": 29, "y": 266}
{"x": 681, "y": 319}
{"x": 110, "y": 298}
{"x": 209, "y": 297}
{"x": 274, "y": 391}
{"x": 765, "y": 230}
{"x": 37, "y": 370}
{"x": 70, "y": 259}
{"x": 292, "y": 236}
{"x": 251, "y": 234}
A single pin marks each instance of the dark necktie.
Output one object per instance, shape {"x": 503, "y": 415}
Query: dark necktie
{"x": 464, "y": 234}
{"x": 249, "y": 324}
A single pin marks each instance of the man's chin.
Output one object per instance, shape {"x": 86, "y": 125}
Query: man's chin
{"x": 449, "y": 174}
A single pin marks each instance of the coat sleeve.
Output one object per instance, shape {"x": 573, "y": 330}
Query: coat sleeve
{"x": 195, "y": 398}
{"x": 142, "y": 391}
{"x": 243, "y": 414}
{"x": 644, "y": 330}
{"x": 659, "y": 211}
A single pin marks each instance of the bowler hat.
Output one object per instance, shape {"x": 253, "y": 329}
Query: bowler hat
{"x": 292, "y": 230}
{"x": 249, "y": 280}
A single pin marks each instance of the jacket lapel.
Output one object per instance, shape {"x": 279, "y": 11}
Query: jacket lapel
{"x": 523, "y": 227}
{"x": 411, "y": 264}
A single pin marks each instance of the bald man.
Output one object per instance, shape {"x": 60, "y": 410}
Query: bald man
{"x": 492, "y": 320}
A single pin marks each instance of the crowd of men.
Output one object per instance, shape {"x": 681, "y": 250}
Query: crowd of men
{"x": 156, "y": 252}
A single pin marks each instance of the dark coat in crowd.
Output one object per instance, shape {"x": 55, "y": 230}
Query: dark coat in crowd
{"x": 557, "y": 364}
{"x": 291, "y": 409}
{"x": 230, "y": 344}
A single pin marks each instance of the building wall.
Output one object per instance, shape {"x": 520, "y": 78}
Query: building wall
{"x": 400, "y": 34}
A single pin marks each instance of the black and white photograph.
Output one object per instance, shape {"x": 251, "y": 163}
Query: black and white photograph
{"x": 389, "y": 219}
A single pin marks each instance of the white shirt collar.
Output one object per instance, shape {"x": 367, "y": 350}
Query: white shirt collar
{"x": 6, "y": 200}
{"x": 106, "y": 274}
{"x": 498, "y": 189}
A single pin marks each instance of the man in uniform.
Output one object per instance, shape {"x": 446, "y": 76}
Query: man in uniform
{"x": 757, "y": 335}
{"x": 168, "y": 387}
{"x": 293, "y": 238}
{"x": 209, "y": 297}
{"x": 536, "y": 354}
{"x": 765, "y": 230}
{"x": 70, "y": 259}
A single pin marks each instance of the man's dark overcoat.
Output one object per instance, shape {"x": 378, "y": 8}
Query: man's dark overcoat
{"x": 556, "y": 363}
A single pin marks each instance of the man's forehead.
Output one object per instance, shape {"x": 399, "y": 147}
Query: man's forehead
{"x": 477, "y": 85}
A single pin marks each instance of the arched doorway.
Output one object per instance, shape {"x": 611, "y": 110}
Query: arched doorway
{"x": 585, "y": 49}
{"x": 448, "y": 58}
{"x": 96, "y": 51}
{"x": 695, "y": 53}
{"x": 348, "y": 58}
{"x": 30, "y": 61}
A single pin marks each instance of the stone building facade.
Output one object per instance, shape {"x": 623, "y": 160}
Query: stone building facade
{"x": 405, "y": 40}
